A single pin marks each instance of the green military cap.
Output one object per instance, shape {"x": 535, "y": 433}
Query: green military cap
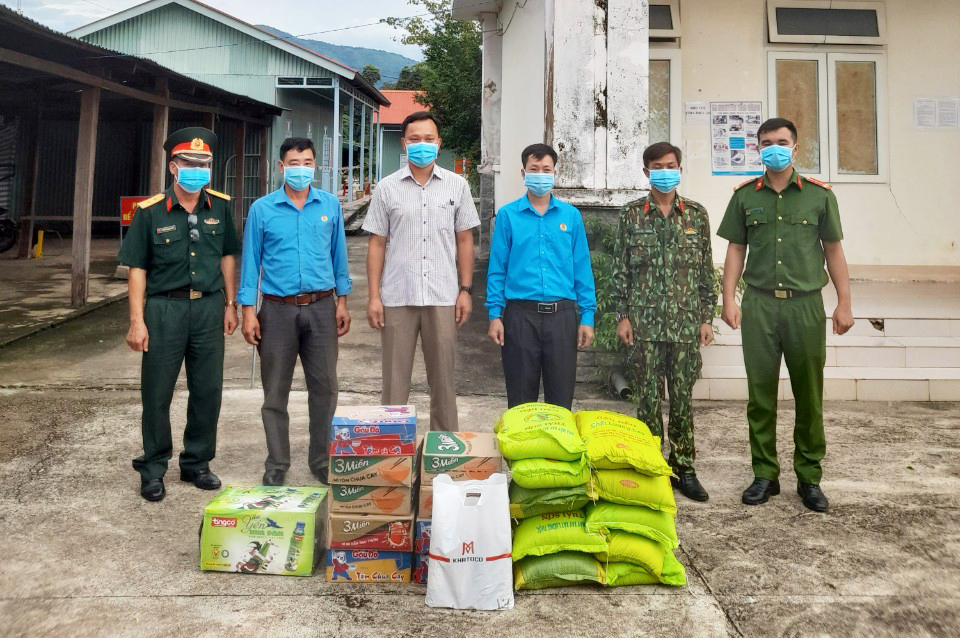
{"x": 194, "y": 142}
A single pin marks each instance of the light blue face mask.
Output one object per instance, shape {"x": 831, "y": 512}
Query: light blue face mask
{"x": 298, "y": 177}
{"x": 665, "y": 180}
{"x": 776, "y": 157}
{"x": 538, "y": 183}
{"x": 422, "y": 154}
{"x": 192, "y": 179}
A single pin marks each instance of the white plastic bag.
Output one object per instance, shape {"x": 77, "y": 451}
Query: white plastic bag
{"x": 470, "y": 545}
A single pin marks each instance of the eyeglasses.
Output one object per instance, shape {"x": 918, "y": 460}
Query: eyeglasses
{"x": 192, "y": 222}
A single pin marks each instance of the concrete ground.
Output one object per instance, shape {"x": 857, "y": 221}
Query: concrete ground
{"x": 83, "y": 555}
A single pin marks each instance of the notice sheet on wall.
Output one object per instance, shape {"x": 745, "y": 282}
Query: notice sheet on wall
{"x": 733, "y": 133}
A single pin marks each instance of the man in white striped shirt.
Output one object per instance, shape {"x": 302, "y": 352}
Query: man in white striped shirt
{"x": 420, "y": 269}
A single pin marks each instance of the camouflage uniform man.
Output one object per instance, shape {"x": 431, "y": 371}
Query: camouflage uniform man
{"x": 663, "y": 273}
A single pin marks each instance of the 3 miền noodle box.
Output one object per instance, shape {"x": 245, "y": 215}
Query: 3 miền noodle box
{"x": 461, "y": 455}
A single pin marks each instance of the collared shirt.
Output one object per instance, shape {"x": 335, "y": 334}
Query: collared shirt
{"x": 420, "y": 224}
{"x": 159, "y": 242}
{"x": 299, "y": 250}
{"x": 783, "y": 231}
{"x": 663, "y": 270}
{"x": 536, "y": 257}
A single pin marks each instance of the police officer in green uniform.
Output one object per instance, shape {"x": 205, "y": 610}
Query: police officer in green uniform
{"x": 786, "y": 226}
{"x": 665, "y": 301}
{"x": 180, "y": 249}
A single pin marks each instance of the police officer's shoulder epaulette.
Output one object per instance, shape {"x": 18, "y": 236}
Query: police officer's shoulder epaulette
{"x": 218, "y": 194}
{"x": 817, "y": 182}
{"x": 689, "y": 203}
{"x": 749, "y": 181}
{"x": 147, "y": 203}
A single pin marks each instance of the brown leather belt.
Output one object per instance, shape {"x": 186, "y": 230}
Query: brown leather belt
{"x": 786, "y": 294}
{"x": 305, "y": 299}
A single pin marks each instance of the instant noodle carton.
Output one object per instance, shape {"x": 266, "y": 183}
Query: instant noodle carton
{"x": 370, "y": 531}
{"x": 461, "y": 455}
{"x": 374, "y": 430}
{"x": 425, "y": 500}
{"x": 264, "y": 530}
{"x": 371, "y": 499}
{"x": 372, "y": 470}
{"x": 421, "y": 536}
{"x": 421, "y": 567}
{"x": 367, "y": 566}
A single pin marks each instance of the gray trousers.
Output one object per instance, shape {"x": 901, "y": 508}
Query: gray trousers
{"x": 285, "y": 332}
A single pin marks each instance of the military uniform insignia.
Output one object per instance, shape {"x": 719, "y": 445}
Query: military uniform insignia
{"x": 147, "y": 203}
{"x": 749, "y": 181}
{"x": 690, "y": 231}
{"x": 219, "y": 194}
{"x": 166, "y": 229}
{"x": 196, "y": 144}
{"x": 211, "y": 220}
{"x": 818, "y": 183}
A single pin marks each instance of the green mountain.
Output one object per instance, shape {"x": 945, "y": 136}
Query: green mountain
{"x": 390, "y": 64}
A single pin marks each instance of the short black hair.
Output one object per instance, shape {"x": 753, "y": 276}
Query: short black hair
{"x": 661, "y": 149}
{"x": 539, "y": 151}
{"x": 297, "y": 143}
{"x": 775, "y": 123}
{"x": 417, "y": 117}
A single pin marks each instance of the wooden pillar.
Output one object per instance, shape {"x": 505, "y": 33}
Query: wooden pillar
{"x": 264, "y": 161}
{"x": 239, "y": 171}
{"x": 83, "y": 195}
{"x": 159, "y": 132}
{"x": 209, "y": 121}
{"x": 31, "y": 140}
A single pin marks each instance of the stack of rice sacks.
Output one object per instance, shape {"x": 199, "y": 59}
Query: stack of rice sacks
{"x": 633, "y": 505}
{"x": 548, "y": 491}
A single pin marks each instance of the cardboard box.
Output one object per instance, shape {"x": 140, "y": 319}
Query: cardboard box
{"x": 421, "y": 536}
{"x": 264, "y": 530}
{"x": 370, "y": 531}
{"x": 371, "y": 499}
{"x": 372, "y": 470}
{"x": 425, "y": 500}
{"x": 421, "y": 565}
{"x": 367, "y": 566}
{"x": 461, "y": 455}
{"x": 374, "y": 430}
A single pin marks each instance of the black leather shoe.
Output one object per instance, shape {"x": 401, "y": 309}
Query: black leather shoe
{"x": 204, "y": 479}
{"x": 760, "y": 491}
{"x": 321, "y": 475}
{"x": 152, "y": 490}
{"x": 273, "y": 478}
{"x": 690, "y": 486}
{"x": 813, "y": 497}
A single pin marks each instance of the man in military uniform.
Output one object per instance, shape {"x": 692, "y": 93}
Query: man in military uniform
{"x": 785, "y": 226}
{"x": 180, "y": 249}
{"x": 663, "y": 273}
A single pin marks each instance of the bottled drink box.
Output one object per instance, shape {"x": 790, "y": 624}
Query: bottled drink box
{"x": 264, "y": 530}
{"x": 367, "y": 566}
{"x": 374, "y": 430}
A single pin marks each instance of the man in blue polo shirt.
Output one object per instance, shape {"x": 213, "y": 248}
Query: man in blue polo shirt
{"x": 540, "y": 292}
{"x": 296, "y": 236}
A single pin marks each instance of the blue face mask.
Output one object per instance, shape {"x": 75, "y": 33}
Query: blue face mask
{"x": 775, "y": 157}
{"x": 298, "y": 177}
{"x": 422, "y": 154}
{"x": 665, "y": 180}
{"x": 192, "y": 179}
{"x": 538, "y": 183}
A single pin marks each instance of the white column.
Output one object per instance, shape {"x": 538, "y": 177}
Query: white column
{"x": 336, "y": 144}
{"x": 490, "y": 105}
{"x": 628, "y": 74}
{"x": 363, "y": 139}
{"x": 350, "y": 151}
{"x": 370, "y": 155}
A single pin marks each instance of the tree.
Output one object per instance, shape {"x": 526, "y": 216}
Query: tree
{"x": 450, "y": 72}
{"x": 411, "y": 79}
{"x": 371, "y": 73}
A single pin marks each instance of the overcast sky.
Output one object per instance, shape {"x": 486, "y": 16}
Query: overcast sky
{"x": 293, "y": 16}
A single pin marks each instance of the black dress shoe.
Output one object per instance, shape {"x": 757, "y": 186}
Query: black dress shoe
{"x": 321, "y": 475}
{"x": 813, "y": 497}
{"x": 273, "y": 478}
{"x": 690, "y": 486}
{"x": 152, "y": 490}
{"x": 760, "y": 491}
{"x": 203, "y": 478}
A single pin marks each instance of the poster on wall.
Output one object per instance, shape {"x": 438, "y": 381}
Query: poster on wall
{"x": 733, "y": 134}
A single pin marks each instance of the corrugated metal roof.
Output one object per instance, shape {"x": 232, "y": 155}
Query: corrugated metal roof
{"x": 402, "y": 104}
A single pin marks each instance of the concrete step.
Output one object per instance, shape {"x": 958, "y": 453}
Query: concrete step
{"x": 843, "y": 384}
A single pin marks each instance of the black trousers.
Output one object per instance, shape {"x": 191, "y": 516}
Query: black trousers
{"x": 538, "y": 346}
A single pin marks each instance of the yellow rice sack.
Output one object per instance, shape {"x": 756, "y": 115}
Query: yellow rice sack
{"x": 628, "y": 487}
{"x": 615, "y": 441}
{"x": 622, "y": 574}
{"x": 656, "y": 525}
{"x": 557, "y": 570}
{"x": 525, "y": 503}
{"x": 553, "y": 533}
{"x": 623, "y": 547}
{"x": 543, "y": 473}
{"x": 539, "y": 431}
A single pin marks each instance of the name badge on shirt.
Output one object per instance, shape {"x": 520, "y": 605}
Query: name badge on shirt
{"x": 166, "y": 229}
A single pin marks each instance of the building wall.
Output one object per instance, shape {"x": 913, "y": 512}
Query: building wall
{"x": 308, "y": 115}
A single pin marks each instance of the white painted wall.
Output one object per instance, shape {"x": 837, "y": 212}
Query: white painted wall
{"x": 911, "y": 220}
